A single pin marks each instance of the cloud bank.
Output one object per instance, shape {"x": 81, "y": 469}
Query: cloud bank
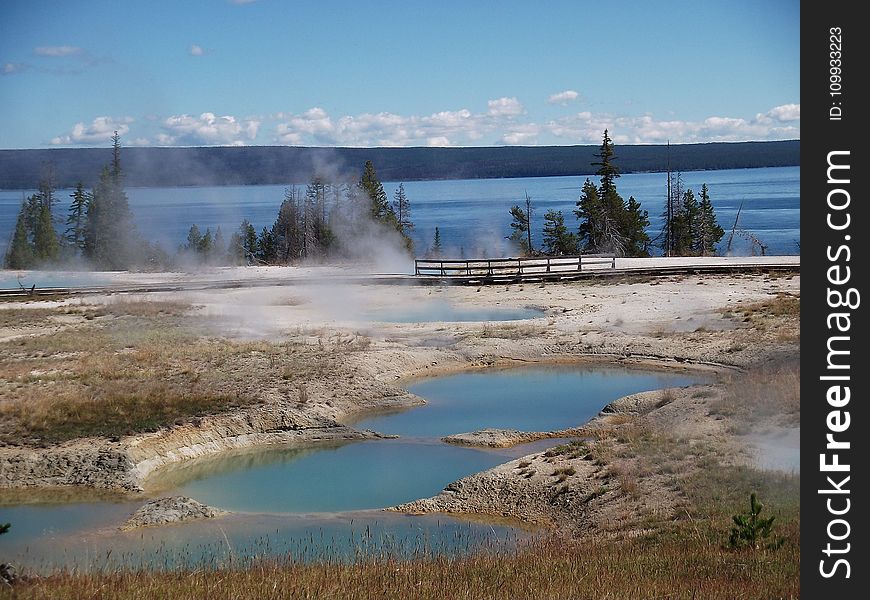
{"x": 503, "y": 122}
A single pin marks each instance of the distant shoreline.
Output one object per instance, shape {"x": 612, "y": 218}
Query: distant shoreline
{"x": 289, "y": 165}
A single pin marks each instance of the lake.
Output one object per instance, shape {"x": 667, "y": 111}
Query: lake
{"x": 471, "y": 214}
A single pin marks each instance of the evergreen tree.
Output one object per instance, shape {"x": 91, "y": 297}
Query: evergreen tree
{"x": 21, "y": 253}
{"x": 267, "y": 249}
{"x": 370, "y": 185}
{"x": 607, "y": 222}
{"x": 249, "y": 243}
{"x": 287, "y": 230}
{"x": 520, "y": 230}
{"x": 590, "y": 212}
{"x": 635, "y": 225}
{"x": 708, "y": 230}
{"x": 194, "y": 239}
{"x": 606, "y": 169}
{"x": 402, "y": 208}
{"x": 690, "y": 215}
{"x": 672, "y": 219}
{"x": 436, "y": 244}
{"x": 206, "y": 245}
{"x": 76, "y": 219}
{"x": 557, "y": 239}
{"x": 521, "y": 227}
{"x": 110, "y": 239}
{"x": 34, "y": 240}
{"x": 45, "y": 241}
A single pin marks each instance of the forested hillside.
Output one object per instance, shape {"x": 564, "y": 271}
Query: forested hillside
{"x": 250, "y": 165}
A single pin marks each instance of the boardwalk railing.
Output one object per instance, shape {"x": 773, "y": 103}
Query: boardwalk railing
{"x": 545, "y": 266}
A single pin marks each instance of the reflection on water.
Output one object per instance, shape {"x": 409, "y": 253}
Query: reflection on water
{"x": 360, "y": 475}
{"x": 528, "y": 399}
{"x": 239, "y": 540}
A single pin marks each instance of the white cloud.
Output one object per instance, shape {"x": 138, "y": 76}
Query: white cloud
{"x": 447, "y": 127}
{"x": 99, "y": 131}
{"x": 505, "y": 107}
{"x": 207, "y": 129}
{"x": 438, "y": 141}
{"x": 779, "y": 123}
{"x": 781, "y": 114}
{"x": 521, "y": 134}
{"x": 58, "y": 51}
{"x": 13, "y": 68}
{"x": 563, "y": 98}
{"x": 196, "y": 50}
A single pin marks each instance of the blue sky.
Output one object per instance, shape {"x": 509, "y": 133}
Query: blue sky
{"x": 396, "y": 73}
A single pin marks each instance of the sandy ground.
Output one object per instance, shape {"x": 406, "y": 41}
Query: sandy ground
{"x": 685, "y": 322}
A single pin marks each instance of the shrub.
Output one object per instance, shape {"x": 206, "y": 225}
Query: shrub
{"x": 751, "y": 530}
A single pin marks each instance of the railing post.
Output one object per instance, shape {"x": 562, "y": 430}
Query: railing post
{"x": 613, "y": 264}
{"x": 579, "y": 262}
{"x": 442, "y": 267}
{"x": 489, "y": 267}
{"x": 520, "y": 267}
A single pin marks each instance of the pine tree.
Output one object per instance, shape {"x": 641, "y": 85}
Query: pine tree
{"x": 607, "y": 222}
{"x": 287, "y": 228}
{"x": 590, "y": 212}
{"x": 521, "y": 227}
{"x": 558, "y": 241}
{"x": 671, "y": 215}
{"x": 76, "y": 219}
{"x": 370, "y": 185}
{"x": 436, "y": 244}
{"x": 206, "y": 245}
{"x": 520, "y": 230}
{"x": 110, "y": 239}
{"x": 635, "y": 225}
{"x": 194, "y": 239}
{"x": 402, "y": 210}
{"x": 21, "y": 253}
{"x": 708, "y": 230}
{"x": 45, "y": 241}
{"x": 606, "y": 169}
{"x": 248, "y": 239}
{"x": 267, "y": 249}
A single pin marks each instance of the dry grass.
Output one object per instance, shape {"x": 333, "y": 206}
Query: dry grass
{"x": 762, "y": 395}
{"x": 689, "y": 562}
{"x": 512, "y": 331}
{"x": 779, "y": 316}
{"x": 137, "y": 366}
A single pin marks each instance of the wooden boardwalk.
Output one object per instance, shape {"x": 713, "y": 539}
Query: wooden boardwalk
{"x": 501, "y": 270}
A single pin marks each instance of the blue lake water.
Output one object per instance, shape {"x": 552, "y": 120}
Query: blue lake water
{"x": 287, "y": 498}
{"x": 472, "y": 215}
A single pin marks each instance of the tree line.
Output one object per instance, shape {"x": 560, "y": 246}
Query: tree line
{"x": 324, "y": 221}
{"x": 99, "y": 225}
{"x": 610, "y": 224}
